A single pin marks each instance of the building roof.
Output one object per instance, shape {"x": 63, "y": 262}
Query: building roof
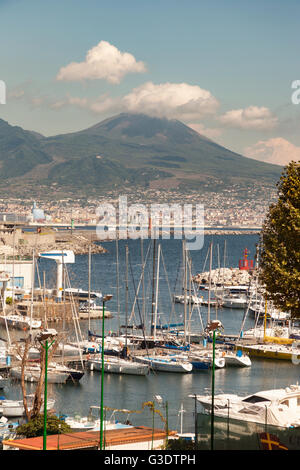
{"x": 88, "y": 439}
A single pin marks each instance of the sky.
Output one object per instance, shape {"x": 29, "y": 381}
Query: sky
{"x": 230, "y": 69}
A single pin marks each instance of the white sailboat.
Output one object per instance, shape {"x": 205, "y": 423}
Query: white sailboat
{"x": 203, "y": 361}
{"x": 116, "y": 365}
{"x": 165, "y": 363}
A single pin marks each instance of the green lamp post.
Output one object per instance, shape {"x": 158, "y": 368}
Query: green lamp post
{"x": 43, "y": 338}
{"x": 104, "y": 300}
{"x": 212, "y": 327}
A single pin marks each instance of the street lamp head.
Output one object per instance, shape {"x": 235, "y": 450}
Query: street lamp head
{"x": 158, "y": 398}
{"x": 214, "y": 325}
{"x": 46, "y": 334}
{"x": 107, "y": 297}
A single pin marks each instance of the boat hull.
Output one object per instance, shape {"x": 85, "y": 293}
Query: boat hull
{"x": 161, "y": 365}
{"x": 118, "y": 367}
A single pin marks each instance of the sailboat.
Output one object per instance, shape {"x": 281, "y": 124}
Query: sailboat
{"x": 160, "y": 362}
{"x": 203, "y": 360}
{"x": 117, "y": 365}
{"x": 273, "y": 347}
{"x": 167, "y": 363}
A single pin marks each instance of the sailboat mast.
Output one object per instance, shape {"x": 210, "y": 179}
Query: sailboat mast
{"x": 156, "y": 293}
{"x": 32, "y": 289}
{"x": 89, "y": 289}
{"x": 185, "y": 289}
{"x": 126, "y": 300}
{"x": 143, "y": 281}
{"x": 153, "y": 289}
{"x": 209, "y": 286}
{"x": 118, "y": 296}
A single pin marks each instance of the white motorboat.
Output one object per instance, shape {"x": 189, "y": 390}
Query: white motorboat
{"x": 181, "y": 299}
{"x": 116, "y": 365}
{"x": 15, "y": 408}
{"x": 259, "y": 332}
{"x": 92, "y": 423}
{"x": 280, "y": 407}
{"x": 234, "y": 301}
{"x": 32, "y": 374}
{"x": 7, "y": 429}
{"x": 3, "y": 382}
{"x": 237, "y": 359}
{"x": 165, "y": 363}
{"x": 258, "y": 308}
{"x": 82, "y": 294}
{"x": 20, "y": 322}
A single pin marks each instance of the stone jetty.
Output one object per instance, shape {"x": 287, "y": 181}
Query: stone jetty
{"x": 226, "y": 276}
{"x": 19, "y": 242}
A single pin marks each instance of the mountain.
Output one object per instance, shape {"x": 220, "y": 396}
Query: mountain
{"x": 123, "y": 152}
{"x": 20, "y": 151}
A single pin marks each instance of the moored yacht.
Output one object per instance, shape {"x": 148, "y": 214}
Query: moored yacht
{"x": 280, "y": 407}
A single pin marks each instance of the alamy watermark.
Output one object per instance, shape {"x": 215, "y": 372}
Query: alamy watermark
{"x": 156, "y": 221}
{"x": 296, "y": 94}
{"x": 2, "y": 92}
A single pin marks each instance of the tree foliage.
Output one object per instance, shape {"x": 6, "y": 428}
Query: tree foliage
{"x": 35, "y": 427}
{"x": 280, "y": 244}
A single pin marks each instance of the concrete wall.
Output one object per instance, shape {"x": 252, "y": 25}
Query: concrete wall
{"x": 19, "y": 269}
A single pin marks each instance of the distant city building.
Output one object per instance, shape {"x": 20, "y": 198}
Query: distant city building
{"x": 37, "y": 214}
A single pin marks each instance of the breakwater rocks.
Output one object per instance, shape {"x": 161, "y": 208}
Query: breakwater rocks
{"x": 225, "y": 276}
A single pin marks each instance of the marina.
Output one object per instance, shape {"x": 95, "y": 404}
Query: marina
{"x": 150, "y": 364}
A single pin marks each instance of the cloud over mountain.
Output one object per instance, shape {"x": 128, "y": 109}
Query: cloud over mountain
{"x": 171, "y": 100}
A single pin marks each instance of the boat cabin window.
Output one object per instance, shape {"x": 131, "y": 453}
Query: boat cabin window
{"x": 286, "y": 403}
{"x": 255, "y": 399}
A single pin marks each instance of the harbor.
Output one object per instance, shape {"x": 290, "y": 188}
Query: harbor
{"x": 133, "y": 302}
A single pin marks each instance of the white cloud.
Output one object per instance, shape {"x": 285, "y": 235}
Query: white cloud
{"x": 99, "y": 105}
{"x": 209, "y": 132}
{"x": 103, "y": 61}
{"x": 170, "y": 100}
{"x": 253, "y": 117}
{"x": 276, "y": 150}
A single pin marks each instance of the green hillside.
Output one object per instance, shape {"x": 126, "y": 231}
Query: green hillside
{"x": 124, "y": 151}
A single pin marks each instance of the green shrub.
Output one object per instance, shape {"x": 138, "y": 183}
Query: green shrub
{"x": 35, "y": 427}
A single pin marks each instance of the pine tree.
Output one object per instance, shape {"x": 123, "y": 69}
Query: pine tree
{"x": 280, "y": 243}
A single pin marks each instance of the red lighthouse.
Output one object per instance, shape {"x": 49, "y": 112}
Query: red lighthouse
{"x": 246, "y": 264}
